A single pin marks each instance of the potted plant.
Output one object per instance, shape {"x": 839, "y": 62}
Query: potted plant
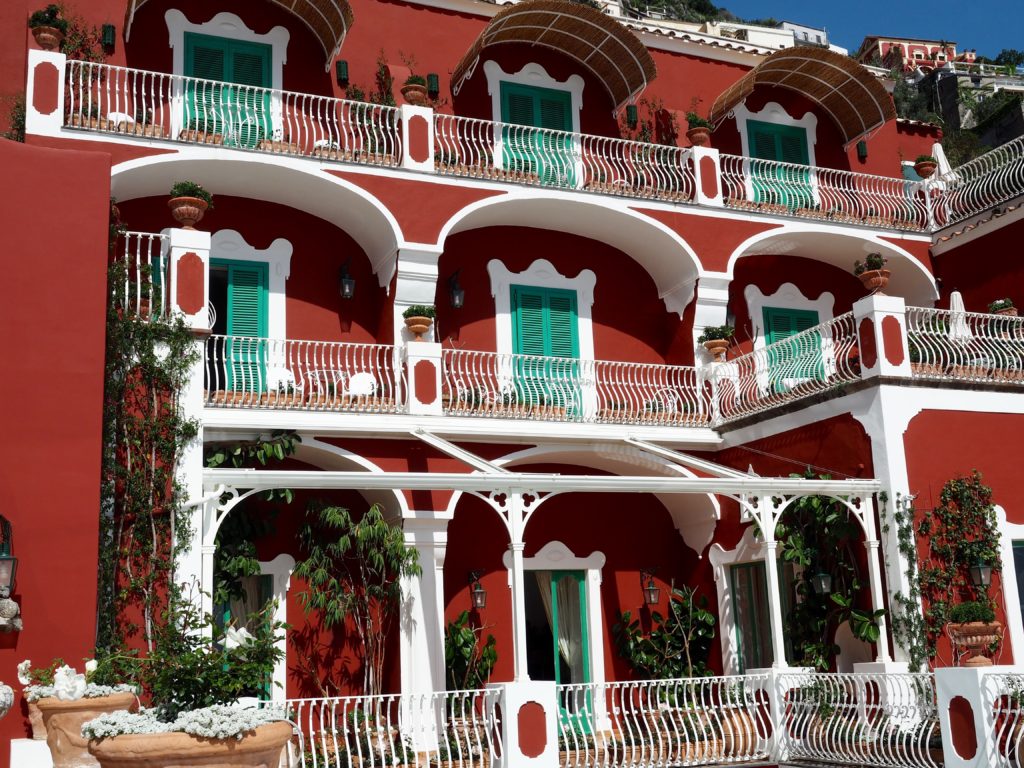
{"x": 48, "y": 28}
{"x": 189, "y": 202}
{"x": 925, "y": 165}
{"x": 1003, "y": 307}
{"x": 715, "y": 339}
{"x": 699, "y": 131}
{"x": 973, "y": 629}
{"x": 872, "y": 273}
{"x": 415, "y": 90}
{"x": 60, "y": 699}
{"x": 193, "y": 685}
{"x": 418, "y": 319}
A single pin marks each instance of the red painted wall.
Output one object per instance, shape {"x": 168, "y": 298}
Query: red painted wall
{"x": 53, "y": 381}
{"x": 1003, "y": 272}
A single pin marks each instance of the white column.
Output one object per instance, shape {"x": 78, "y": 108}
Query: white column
{"x": 712, "y": 307}
{"x": 187, "y": 261}
{"x": 771, "y": 567}
{"x": 44, "y": 90}
{"x": 707, "y": 176}
{"x": 881, "y": 326}
{"x": 423, "y": 369}
{"x": 416, "y": 284}
{"x": 422, "y": 651}
{"x": 517, "y": 580}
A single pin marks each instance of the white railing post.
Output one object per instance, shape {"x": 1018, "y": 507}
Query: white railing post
{"x": 707, "y": 173}
{"x": 417, "y": 138}
{"x": 881, "y": 327}
{"x": 187, "y": 265}
{"x": 529, "y": 727}
{"x": 44, "y": 92}
{"x": 423, "y": 369}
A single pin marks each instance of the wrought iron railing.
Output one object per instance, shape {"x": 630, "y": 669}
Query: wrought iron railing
{"x": 980, "y": 185}
{"x": 965, "y": 346}
{"x": 1004, "y": 693}
{"x": 142, "y": 284}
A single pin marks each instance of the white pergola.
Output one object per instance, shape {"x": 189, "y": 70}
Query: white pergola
{"x": 516, "y": 496}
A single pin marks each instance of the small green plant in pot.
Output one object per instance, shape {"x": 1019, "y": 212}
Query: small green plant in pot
{"x": 872, "y": 272}
{"x": 974, "y": 631}
{"x": 415, "y": 90}
{"x": 1003, "y": 307}
{"x": 715, "y": 339}
{"x": 418, "y": 319}
{"x": 699, "y": 131}
{"x": 189, "y": 202}
{"x": 48, "y": 27}
{"x": 925, "y": 165}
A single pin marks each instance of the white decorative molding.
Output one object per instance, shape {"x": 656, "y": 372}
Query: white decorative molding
{"x": 229, "y": 244}
{"x": 1008, "y": 533}
{"x": 542, "y": 274}
{"x": 775, "y": 113}
{"x": 535, "y": 75}
{"x": 788, "y": 296}
{"x": 748, "y": 550}
{"x": 280, "y": 569}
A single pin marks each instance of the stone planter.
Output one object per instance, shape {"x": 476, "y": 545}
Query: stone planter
{"x": 63, "y": 723}
{"x": 874, "y": 280}
{"x": 419, "y": 325}
{"x": 925, "y": 168}
{"x": 257, "y": 749}
{"x": 974, "y": 638}
{"x": 699, "y": 136}
{"x": 415, "y": 95}
{"x": 48, "y": 38}
{"x": 717, "y": 348}
{"x": 187, "y": 211}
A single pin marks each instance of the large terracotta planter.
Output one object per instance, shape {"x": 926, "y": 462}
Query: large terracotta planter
{"x": 63, "y": 722}
{"x": 925, "y": 168}
{"x": 187, "y": 211}
{"x": 35, "y": 721}
{"x": 49, "y": 38}
{"x": 1008, "y": 312}
{"x": 717, "y": 348}
{"x": 419, "y": 325}
{"x": 874, "y": 280}
{"x": 974, "y": 638}
{"x": 699, "y": 137}
{"x": 257, "y": 749}
{"x": 414, "y": 94}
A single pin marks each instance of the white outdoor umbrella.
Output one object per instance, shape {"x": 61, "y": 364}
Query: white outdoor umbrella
{"x": 959, "y": 330}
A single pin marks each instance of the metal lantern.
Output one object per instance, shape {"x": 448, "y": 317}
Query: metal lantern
{"x": 108, "y": 35}
{"x": 479, "y": 596}
{"x": 8, "y": 562}
{"x": 456, "y": 294}
{"x": 652, "y": 592}
{"x": 632, "y": 115}
{"x": 341, "y": 71}
{"x": 433, "y": 84}
{"x": 981, "y": 573}
{"x": 346, "y": 283}
{"x": 821, "y": 583}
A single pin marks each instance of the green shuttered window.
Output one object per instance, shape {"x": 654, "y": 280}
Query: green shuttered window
{"x": 246, "y": 324}
{"x": 785, "y": 144}
{"x": 534, "y": 152}
{"x": 545, "y": 325}
{"x": 792, "y": 359}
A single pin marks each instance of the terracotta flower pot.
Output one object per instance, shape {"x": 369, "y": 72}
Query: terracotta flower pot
{"x": 48, "y": 38}
{"x": 699, "y": 137}
{"x": 419, "y": 325}
{"x": 974, "y": 638}
{"x": 925, "y": 169}
{"x": 415, "y": 95}
{"x": 259, "y": 749}
{"x": 35, "y": 720}
{"x": 63, "y": 722}
{"x": 717, "y": 348}
{"x": 187, "y": 211}
{"x": 874, "y": 280}
{"x": 1008, "y": 312}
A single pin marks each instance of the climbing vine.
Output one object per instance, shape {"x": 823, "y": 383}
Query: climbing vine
{"x": 908, "y": 626}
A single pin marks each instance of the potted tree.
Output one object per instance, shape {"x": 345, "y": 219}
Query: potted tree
{"x": 415, "y": 90}
{"x": 48, "y": 27}
{"x": 699, "y": 131}
{"x": 925, "y": 165}
{"x": 973, "y": 630}
{"x": 189, "y": 202}
{"x": 1003, "y": 307}
{"x": 418, "y": 319}
{"x": 872, "y": 273}
{"x": 715, "y": 339}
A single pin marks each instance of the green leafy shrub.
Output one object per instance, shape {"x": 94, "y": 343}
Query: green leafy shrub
{"x": 696, "y": 121}
{"x": 871, "y": 263}
{"x": 416, "y": 80}
{"x": 972, "y": 610}
{"x": 925, "y": 159}
{"x": 468, "y": 658}
{"x": 50, "y": 16}
{"x": 191, "y": 189}
{"x": 716, "y": 332}
{"x": 1000, "y": 304}
{"x": 419, "y": 310}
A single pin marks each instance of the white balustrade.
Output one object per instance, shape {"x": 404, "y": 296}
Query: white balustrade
{"x": 501, "y": 151}
{"x": 143, "y": 285}
{"x": 885, "y": 720}
{"x": 965, "y": 346}
{"x": 804, "y": 364}
{"x": 980, "y": 185}
{"x": 133, "y": 102}
{"x": 690, "y": 721}
{"x": 564, "y": 389}
{"x": 825, "y": 194}
{"x": 243, "y": 372}
{"x": 1005, "y": 693}
{"x": 457, "y": 729}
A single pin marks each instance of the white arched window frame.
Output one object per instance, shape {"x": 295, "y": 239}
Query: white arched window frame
{"x": 776, "y": 114}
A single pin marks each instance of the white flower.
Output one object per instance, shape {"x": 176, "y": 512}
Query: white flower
{"x": 236, "y": 638}
{"x": 90, "y": 668}
{"x": 23, "y": 672}
{"x": 68, "y": 685}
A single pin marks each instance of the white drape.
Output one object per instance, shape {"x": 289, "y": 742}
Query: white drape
{"x": 569, "y": 632}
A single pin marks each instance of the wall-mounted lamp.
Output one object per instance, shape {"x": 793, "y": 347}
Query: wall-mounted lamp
{"x": 346, "y": 283}
{"x": 632, "y": 115}
{"x": 456, "y": 294}
{"x": 652, "y": 592}
{"x": 821, "y": 583}
{"x": 981, "y": 573}
{"x": 862, "y": 150}
{"x": 341, "y": 71}
{"x": 476, "y": 590}
{"x": 10, "y": 611}
{"x": 108, "y": 35}
{"x": 433, "y": 85}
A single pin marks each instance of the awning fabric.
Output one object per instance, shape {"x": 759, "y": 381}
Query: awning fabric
{"x": 329, "y": 20}
{"x": 848, "y": 92}
{"x": 611, "y": 52}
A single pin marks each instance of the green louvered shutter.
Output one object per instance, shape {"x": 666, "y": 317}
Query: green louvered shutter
{"x": 785, "y": 144}
{"x": 545, "y": 325}
{"x": 533, "y": 151}
{"x": 792, "y": 359}
{"x": 251, "y": 68}
{"x": 247, "y": 326}
{"x": 203, "y": 100}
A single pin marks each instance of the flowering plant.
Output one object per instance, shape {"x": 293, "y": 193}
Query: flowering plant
{"x": 1000, "y": 304}
{"x": 65, "y": 683}
{"x": 215, "y": 722}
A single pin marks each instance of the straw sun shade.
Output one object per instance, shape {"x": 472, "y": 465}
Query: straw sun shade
{"x": 610, "y": 51}
{"x": 851, "y": 95}
{"x": 329, "y": 20}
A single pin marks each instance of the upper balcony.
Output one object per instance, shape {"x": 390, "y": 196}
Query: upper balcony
{"x": 135, "y": 105}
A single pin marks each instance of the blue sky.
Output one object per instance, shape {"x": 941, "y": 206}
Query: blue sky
{"x": 988, "y": 25}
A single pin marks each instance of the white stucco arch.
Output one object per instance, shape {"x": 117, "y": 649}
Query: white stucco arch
{"x": 671, "y": 262}
{"x": 287, "y": 181}
{"x": 840, "y": 248}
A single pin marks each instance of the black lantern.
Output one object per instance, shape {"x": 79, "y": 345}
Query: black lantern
{"x": 981, "y": 573}
{"x": 108, "y": 35}
{"x": 456, "y": 294}
{"x": 477, "y": 592}
{"x": 346, "y": 283}
{"x": 862, "y": 150}
{"x": 8, "y": 562}
{"x": 821, "y": 583}
{"x": 632, "y": 115}
{"x": 341, "y": 71}
{"x": 433, "y": 85}
{"x": 652, "y": 592}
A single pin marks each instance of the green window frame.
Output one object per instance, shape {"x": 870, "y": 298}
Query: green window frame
{"x": 545, "y": 331}
{"x": 247, "y": 322}
{"x": 748, "y": 585}
{"x": 549, "y": 156}
{"x": 796, "y": 359}
{"x": 221, "y": 103}
{"x": 1018, "y": 569}
{"x": 782, "y": 185}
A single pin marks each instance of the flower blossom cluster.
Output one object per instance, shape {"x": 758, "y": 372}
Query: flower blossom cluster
{"x": 216, "y": 722}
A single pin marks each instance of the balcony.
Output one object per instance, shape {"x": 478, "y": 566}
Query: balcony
{"x": 152, "y": 106}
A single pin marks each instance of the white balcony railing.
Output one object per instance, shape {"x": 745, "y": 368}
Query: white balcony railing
{"x": 562, "y": 389}
{"x": 1005, "y": 693}
{"x": 823, "y": 194}
{"x": 485, "y": 149}
{"x": 808, "y": 363}
{"x": 244, "y": 372}
{"x": 143, "y": 288}
{"x": 965, "y": 346}
{"x": 980, "y": 185}
{"x": 883, "y": 720}
{"x": 456, "y": 729}
{"x": 692, "y": 721}
{"x": 134, "y": 102}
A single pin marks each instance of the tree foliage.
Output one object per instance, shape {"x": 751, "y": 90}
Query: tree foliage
{"x": 468, "y": 658}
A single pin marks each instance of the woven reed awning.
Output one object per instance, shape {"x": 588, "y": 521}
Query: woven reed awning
{"x": 854, "y": 98}
{"x": 613, "y": 53}
{"x": 328, "y": 20}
